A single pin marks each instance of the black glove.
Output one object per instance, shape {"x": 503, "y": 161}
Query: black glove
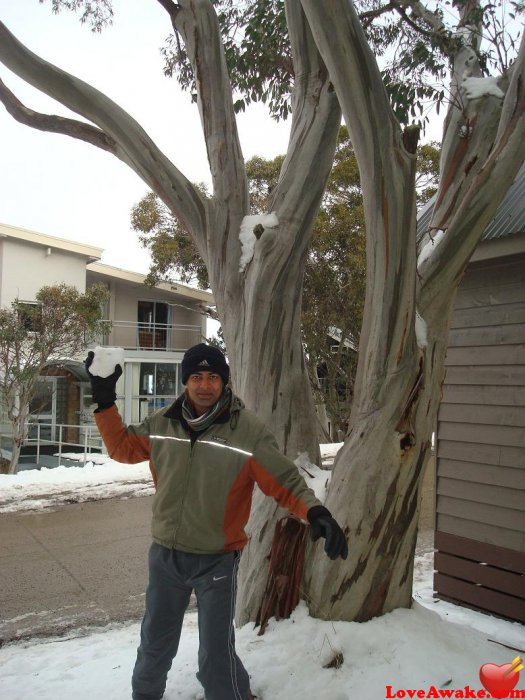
{"x": 323, "y": 525}
{"x": 102, "y": 388}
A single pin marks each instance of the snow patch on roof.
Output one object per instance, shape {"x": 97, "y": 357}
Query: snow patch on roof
{"x": 248, "y": 237}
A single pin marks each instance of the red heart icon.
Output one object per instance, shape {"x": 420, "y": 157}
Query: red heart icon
{"x": 498, "y": 680}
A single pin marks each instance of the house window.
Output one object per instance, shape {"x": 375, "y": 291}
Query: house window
{"x": 153, "y": 322}
{"x": 155, "y": 385}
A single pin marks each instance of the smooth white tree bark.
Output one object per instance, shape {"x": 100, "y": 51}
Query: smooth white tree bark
{"x": 375, "y": 487}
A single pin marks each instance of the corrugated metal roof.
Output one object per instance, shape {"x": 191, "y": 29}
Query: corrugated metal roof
{"x": 509, "y": 219}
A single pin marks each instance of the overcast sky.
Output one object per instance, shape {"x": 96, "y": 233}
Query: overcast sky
{"x": 57, "y": 185}
{"x": 63, "y": 187}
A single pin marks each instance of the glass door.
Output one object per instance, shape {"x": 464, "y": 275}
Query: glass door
{"x": 43, "y": 409}
{"x": 152, "y": 317}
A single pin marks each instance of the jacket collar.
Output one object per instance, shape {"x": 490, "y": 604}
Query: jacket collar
{"x": 175, "y": 411}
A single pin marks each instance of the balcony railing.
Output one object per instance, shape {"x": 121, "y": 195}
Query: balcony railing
{"x": 152, "y": 336}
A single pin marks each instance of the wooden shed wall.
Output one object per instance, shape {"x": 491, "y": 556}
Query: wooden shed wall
{"x": 480, "y": 488}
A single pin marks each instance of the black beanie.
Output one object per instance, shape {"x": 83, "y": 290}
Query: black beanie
{"x": 204, "y": 358}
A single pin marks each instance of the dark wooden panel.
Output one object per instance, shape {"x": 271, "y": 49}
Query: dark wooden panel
{"x": 486, "y": 355}
{"x": 489, "y": 296}
{"x": 490, "y": 534}
{"x": 494, "y": 274}
{"x": 484, "y": 415}
{"x": 480, "y": 597}
{"x": 505, "y": 518}
{"x": 500, "y": 496}
{"x": 491, "y": 375}
{"x": 484, "y": 395}
{"x": 481, "y": 473}
{"x": 482, "y": 434}
{"x": 502, "y": 557}
{"x": 475, "y": 572}
{"x": 484, "y": 454}
{"x": 511, "y": 334}
{"x": 488, "y": 316}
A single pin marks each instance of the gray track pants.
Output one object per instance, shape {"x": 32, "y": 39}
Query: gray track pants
{"x": 172, "y": 577}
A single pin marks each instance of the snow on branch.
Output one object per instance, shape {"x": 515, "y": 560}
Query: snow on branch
{"x": 252, "y": 228}
{"x": 476, "y": 88}
{"x": 429, "y": 247}
{"x": 421, "y": 331}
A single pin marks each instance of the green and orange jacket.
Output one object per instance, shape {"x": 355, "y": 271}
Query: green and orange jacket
{"x": 204, "y": 481}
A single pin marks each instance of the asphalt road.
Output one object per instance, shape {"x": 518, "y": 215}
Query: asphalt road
{"x": 78, "y": 565}
{"x": 82, "y": 564}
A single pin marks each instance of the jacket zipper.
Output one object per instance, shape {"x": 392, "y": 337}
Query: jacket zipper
{"x": 186, "y": 484}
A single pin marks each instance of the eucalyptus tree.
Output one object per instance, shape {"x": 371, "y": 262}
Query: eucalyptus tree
{"x": 257, "y": 282}
{"x": 375, "y": 487}
{"x": 335, "y": 269}
{"x": 258, "y": 295}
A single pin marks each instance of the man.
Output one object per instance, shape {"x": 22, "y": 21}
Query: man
{"x": 206, "y": 452}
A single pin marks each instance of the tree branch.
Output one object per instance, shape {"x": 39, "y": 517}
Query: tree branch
{"x": 53, "y": 123}
{"x": 480, "y": 169}
{"x": 403, "y": 13}
{"x": 132, "y": 145}
{"x": 419, "y": 10}
{"x": 316, "y": 118}
{"x": 513, "y": 106}
{"x": 387, "y": 177}
{"x": 373, "y": 128}
{"x": 472, "y": 29}
{"x": 197, "y": 23}
{"x": 171, "y": 8}
{"x": 367, "y": 17}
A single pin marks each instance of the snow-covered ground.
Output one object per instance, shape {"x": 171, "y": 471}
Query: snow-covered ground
{"x": 435, "y": 647}
{"x": 99, "y": 478}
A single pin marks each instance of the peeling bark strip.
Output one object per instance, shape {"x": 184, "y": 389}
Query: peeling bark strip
{"x": 282, "y": 592}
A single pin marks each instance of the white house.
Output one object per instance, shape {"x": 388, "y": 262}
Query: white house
{"x": 153, "y": 325}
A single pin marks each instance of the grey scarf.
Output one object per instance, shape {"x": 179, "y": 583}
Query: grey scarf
{"x": 200, "y": 423}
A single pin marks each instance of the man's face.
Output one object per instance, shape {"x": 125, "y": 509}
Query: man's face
{"x": 204, "y": 389}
